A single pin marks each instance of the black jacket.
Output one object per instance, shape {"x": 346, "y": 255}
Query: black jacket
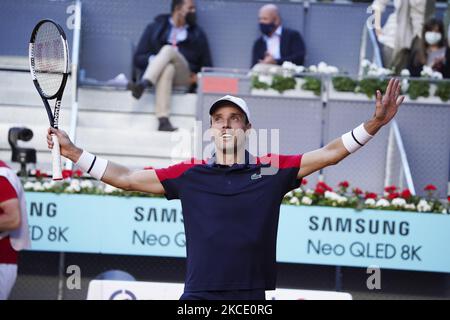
{"x": 195, "y": 48}
{"x": 292, "y": 48}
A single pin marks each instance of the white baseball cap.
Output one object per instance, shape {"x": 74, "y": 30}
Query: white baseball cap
{"x": 238, "y": 102}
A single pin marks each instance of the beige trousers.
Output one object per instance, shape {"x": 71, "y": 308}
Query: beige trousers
{"x": 167, "y": 69}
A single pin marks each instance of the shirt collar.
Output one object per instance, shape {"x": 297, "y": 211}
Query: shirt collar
{"x": 277, "y": 32}
{"x": 172, "y": 24}
{"x": 249, "y": 160}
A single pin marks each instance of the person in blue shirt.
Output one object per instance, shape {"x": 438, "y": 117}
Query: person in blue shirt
{"x": 231, "y": 201}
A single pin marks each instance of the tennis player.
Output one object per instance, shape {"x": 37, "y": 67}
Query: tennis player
{"x": 231, "y": 201}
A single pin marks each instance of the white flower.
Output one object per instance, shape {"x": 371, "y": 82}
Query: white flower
{"x": 423, "y": 206}
{"x": 385, "y": 72}
{"x": 410, "y": 206}
{"x": 75, "y": 182}
{"x": 373, "y": 66}
{"x": 331, "y": 195}
{"x": 322, "y": 67}
{"x": 38, "y": 186}
{"x": 309, "y": 192}
{"x": 405, "y": 85}
{"x": 299, "y": 69}
{"x": 290, "y": 194}
{"x": 399, "y": 202}
{"x": 405, "y": 73}
{"x": 28, "y": 185}
{"x": 47, "y": 185}
{"x": 273, "y": 70}
{"x": 109, "y": 189}
{"x": 265, "y": 79}
{"x": 312, "y": 69}
{"x": 372, "y": 73}
{"x": 307, "y": 201}
{"x": 288, "y": 65}
{"x": 370, "y": 202}
{"x": 294, "y": 201}
{"x": 342, "y": 200}
{"x": 382, "y": 203}
{"x": 426, "y": 71}
{"x": 444, "y": 211}
{"x": 365, "y": 63}
{"x": 332, "y": 70}
{"x": 86, "y": 184}
{"x": 437, "y": 75}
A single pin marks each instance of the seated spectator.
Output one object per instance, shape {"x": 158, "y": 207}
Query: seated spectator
{"x": 171, "y": 51}
{"x": 401, "y": 27}
{"x": 277, "y": 43}
{"x": 431, "y": 50}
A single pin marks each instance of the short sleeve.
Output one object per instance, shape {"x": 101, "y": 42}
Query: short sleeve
{"x": 7, "y": 191}
{"x": 288, "y": 172}
{"x": 171, "y": 178}
{"x": 285, "y": 168}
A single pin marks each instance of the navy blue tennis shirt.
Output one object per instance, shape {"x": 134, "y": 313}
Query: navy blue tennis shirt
{"x": 231, "y": 218}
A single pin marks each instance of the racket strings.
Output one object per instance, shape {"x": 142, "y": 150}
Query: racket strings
{"x": 49, "y": 58}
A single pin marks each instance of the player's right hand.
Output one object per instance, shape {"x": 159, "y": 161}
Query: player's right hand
{"x": 67, "y": 148}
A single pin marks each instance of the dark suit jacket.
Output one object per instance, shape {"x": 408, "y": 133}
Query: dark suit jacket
{"x": 195, "y": 48}
{"x": 292, "y": 48}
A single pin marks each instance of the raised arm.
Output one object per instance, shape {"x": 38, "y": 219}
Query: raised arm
{"x": 115, "y": 174}
{"x": 338, "y": 149}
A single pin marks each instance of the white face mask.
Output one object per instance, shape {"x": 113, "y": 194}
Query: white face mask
{"x": 432, "y": 37}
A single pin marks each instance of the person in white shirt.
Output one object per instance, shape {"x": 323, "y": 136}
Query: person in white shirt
{"x": 277, "y": 43}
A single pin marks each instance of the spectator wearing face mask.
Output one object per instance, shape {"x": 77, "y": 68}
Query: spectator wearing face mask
{"x": 431, "y": 50}
{"x": 401, "y": 27}
{"x": 277, "y": 43}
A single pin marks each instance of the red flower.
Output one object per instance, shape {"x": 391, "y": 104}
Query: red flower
{"x": 78, "y": 173}
{"x": 67, "y": 174}
{"x": 430, "y": 187}
{"x": 38, "y": 173}
{"x": 406, "y": 194}
{"x": 371, "y": 195}
{"x": 304, "y": 181}
{"x": 319, "y": 191}
{"x": 448, "y": 198}
{"x": 357, "y": 191}
{"x": 393, "y": 195}
{"x": 324, "y": 186}
{"x": 344, "y": 184}
{"x": 390, "y": 189}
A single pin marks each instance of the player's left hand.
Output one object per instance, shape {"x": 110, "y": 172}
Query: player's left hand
{"x": 387, "y": 105}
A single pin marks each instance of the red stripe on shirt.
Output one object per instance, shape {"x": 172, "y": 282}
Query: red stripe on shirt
{"x": 281, "y": 161}
{"x": 177, "y": 170}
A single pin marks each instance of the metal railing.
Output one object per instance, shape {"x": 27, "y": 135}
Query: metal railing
{"x": 74, "y": 73}
{"x": 397, "y": 170}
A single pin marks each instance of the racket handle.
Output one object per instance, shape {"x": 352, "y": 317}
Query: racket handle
{"x": 56, "y": 159}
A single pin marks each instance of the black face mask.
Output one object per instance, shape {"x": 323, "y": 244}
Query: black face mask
{"x": 191, "y": 18}
{"x": 267, "y": 28}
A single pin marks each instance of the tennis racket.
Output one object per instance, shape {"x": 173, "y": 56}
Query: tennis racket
{"x": 49, "y": 67}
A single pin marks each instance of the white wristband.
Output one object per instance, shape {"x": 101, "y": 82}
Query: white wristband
{"x": 93, "y": 165}
{"x": 356, "y": 138}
